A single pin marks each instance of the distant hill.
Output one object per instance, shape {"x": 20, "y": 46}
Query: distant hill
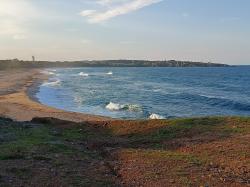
{"x": 7, "y": 64}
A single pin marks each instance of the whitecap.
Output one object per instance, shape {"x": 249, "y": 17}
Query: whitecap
{"x": 110, "y": 73}
{"x": 156, "y": 116}
{"x": 83, "y": 74}
{"x": 129, "y": 107}
{"x": 114, "y": 106}
{"x": 53, "y": 83}
{"x": 48, "y": 72}
{"x": 211, "y": 96}
{"x": 132, "y": 107}
{"x": 156, "y": 90}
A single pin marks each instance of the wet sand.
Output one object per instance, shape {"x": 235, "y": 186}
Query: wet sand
{"x": 18, "y": 102}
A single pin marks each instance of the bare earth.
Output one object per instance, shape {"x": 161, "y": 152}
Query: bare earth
{"x": 59, "y": 148}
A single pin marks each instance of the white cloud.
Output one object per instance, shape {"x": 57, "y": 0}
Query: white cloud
{"x": 14, "y": 8}
{"x": 85, "y": 13}
{"x": 9, "y": 27}
{"x": 110, "y": 2}
{"x": 19, "y": 37}
{"x": 86, "y": 41}
{"x": 13, "y": 16}
{"x": 115, "y": 8}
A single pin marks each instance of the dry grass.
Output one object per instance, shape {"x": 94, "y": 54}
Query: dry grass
{"x": 184, "y": 152}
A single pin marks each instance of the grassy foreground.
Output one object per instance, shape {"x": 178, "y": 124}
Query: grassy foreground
{"x": 184, "y": 152}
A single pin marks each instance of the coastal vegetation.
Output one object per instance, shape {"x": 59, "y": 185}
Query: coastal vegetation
{"x": 210, "y": 151}
{"x": 15, "y": 63}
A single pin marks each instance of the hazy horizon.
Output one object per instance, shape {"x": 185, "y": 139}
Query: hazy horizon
{"x": 62, "y": 30}
{"x": 82, "y": 60}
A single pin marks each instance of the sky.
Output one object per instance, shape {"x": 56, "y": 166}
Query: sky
{"x": 196, "y": 30}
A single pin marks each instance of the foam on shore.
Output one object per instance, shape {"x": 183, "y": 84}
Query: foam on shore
{"x": 53, "y": 83}
{"x": 156, "y": 116}
{"x": 117, "y": 107}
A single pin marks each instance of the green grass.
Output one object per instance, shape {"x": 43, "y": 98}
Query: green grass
{"x": 20, "y": 172}
{"x": 20, "y": 139}
{"x": 58, "y": 146}
{"x": 78, "y": 133}
{"x": 184, "y": 128}
{"x": 28, "y": 140}
{"x": 83, "y": 181}
{"x": 164, "y": 155}
{"x": 181, "y": 128}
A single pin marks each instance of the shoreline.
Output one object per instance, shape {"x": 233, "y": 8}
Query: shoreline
{"x": 55, "y": 147}
{"x": 33, "y": 89}
{"x": 18, "y": 100}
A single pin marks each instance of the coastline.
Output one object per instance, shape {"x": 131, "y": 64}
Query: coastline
{"x": 18, "y": 101}
{"x": 55, "y": 147}
{"x": 33, "y": 89}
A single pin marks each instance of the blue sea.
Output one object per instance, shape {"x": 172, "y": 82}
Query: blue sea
{"x": 142, "y": 93}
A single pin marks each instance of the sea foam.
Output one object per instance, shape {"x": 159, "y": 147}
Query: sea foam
{"x": 83, "y": 74}
{"x": 48, "y": 72}
{"x": 116, "y": 107}
{"x": 156, "y": 116}
{"x": 110, "y": 73}
{"x": 53, "y": 83}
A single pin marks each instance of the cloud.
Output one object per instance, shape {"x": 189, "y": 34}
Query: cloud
{"x": 19, "y": 37}
{"x": 15, "y": 8}
{"x": 111, "y": 2}
{"x": 115, "y": 8}
{"x": 14, "y": 15}
{"x": 86, "y": 13}
{"x": 9, "y": 27}
{"x": 86, "y": 41}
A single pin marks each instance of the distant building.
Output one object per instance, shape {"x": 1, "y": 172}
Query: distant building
{"x": 33, "y": 59}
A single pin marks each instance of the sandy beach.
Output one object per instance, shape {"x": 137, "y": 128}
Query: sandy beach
{"x": 50, "y": 147}
{"x": 18, "y": 102}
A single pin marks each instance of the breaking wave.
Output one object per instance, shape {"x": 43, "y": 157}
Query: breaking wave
{"x": 83, "y": 74}
{"x": 148, "y": 93}
{"x": 156, "y": 116}
{"x": 48, "y": 72}
{"x": 94, "y": 74}
{"x": 117, "y": 107}
{"x": 110, "y": 73}
{"x": 53, "y": 83}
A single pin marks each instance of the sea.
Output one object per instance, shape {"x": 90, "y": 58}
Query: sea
{"x": 149, "y": 92}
